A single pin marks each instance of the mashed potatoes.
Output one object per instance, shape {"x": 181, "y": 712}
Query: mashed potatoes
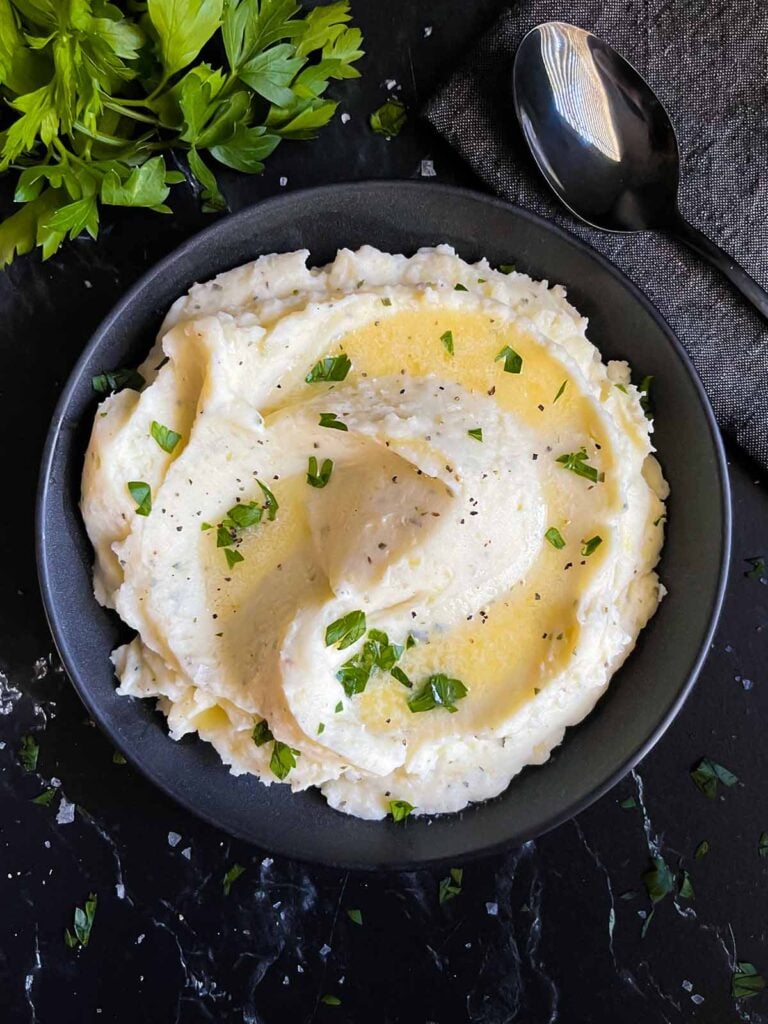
{"x": 386, "y": 527}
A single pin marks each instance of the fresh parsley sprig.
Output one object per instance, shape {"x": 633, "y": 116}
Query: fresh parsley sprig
{"x": 100, "y": 93}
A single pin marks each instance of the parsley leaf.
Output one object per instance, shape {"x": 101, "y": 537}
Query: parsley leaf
{"x": 745, "y": 981}
{"x": 476, "y": 433}
{"x": 388, "y": 119}
{"x": 762, "y": 844}
{"x": 315, "y": 479}
{"x": 142, "y": 495}
{"x": 438, "y": 691}
{"x": 506, "y": 268}
{"x": 331, "y": 420}
{"x": 330, "y": 368}
{"x": 45, "y": 798}
{"x": 28, "y": 753}
{"x": 401, "y": 677}
{"x": 659, "y": 881}
{"x": 231, "y": 877}
{"x": 685, "y": 887}
{"x": 261, "y": 733}
{"x": 345, "y": 631}
{"x": 590, "y": 546}
{"x": 83, "y": 923}
{"x": 400, "y": 809}
{"x": 513, "y": 361}
{"x": 629, "y": 804}
{"x": 702, "y": 849}
{"x": 116, "y": 380}
{"x": 447, "y": 340}
{"x": 577, "y": 463}
{"x": 646, "y": 403}
{"x": 757, "y": 572}
{"x": 283, "y": 759}
{"x": 560, "y": 390}
{"x": 330, "y": 1000}
{"x": 355, "y": 916}
{"x": 555, "y": 538}
{"x": 708, "y": 773}
{"x": 165, "y": 437}
{"x": 451, "y": 886}
{"x": 232, "y": 557}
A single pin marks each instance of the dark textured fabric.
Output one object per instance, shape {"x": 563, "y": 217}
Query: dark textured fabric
{"x": 708, "y": 62}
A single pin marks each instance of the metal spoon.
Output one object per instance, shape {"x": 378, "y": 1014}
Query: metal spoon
{"x": 605, "y": 143}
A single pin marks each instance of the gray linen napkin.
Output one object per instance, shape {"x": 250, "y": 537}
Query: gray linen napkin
{"x": 708, "y": 62}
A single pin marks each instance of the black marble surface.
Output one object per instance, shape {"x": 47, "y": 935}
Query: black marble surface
{"x": 550, "y": 932}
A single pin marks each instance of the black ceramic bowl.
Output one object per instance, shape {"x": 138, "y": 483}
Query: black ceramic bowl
{"x": 643, "y": 697}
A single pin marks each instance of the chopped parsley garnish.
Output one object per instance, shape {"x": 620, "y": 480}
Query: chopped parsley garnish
{"x": 762, "y": 844}
{"x": 332, "y": 421}
{"x": 513, "y": 361}
{"x": 320, "y": 728}
{"x": 345, "y": 631}
{"x": 400, "y": 809}
{"x": 386, "y": 301}
{"x": 401, "y": 677}
{"x": 591, "y": 545}
{"x": 283, "y": 759}
{"x": 117, "y": 758}
{"x": 507, "y": 268}
{"x": 702, "y": 849}
{"x": 555, "y": 538}
{"x": 28, "y": 753}
{"x": 232, "y": 557}
{"x": 117, "y": 380}
{"x": 270, "y": 501}
{"x": 315, "y": 479}
{"x": 242, "y": 516}
{"x": 438, "y": 691}
{"x": 83, "y": 923}
{"x": 622, "y": 387}
{"x": 745, "y": 981}
{"x": 377, "y": 653}
{"x": 685, "y": 886}
{"x": 45, "y": 798}
{"x": 577, "y": 463}
{"x": 389, "y": 119}
{"x": 659, "y": 881}
{"x": 330, "y": 1000}
{"x": 451, "y": 886}
{"x": 231, "y": 877}
{"x": 646, "y": 403}
{"x": 460, "y": 288}
{"x": 477, "y": 433}
{"x": 560, "y": 391}
{"x": 339, "y": 707}
{"x": 708, "y": 773}
{"x": 629, "y": 804}
{"x": 261, "y": 733}
{"x": 165, "y": 437}
{"x": 355, "y": 916}
{"x": 142, "y": 495}
{"x": 758, "y": 568}
{"x": 224, "y": 538}
{"x": 330, "y": 368}
{"x": 447, "y": 340}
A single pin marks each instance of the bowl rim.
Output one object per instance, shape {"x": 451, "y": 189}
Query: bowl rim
{"x": 221, "y": 228}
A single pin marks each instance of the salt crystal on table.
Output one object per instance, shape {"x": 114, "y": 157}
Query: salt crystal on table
{"x": 492, "y": 909}
{"x": 187, "y": 852}
{"x": 283, "y": 181}
{"x": 120, "y": 891}
{"x": 345, "y": 118}
{"x": 747, "y": 684}
{"x": 688, "y": 986}
{"x": 66, "y": 813}
{"x": 324, "y": 950}
{"x": 174, "y": 838}
{"x": 697, "y": 999}
{"x": 390, "y": 83}
{"x": 428, "y": 169}
{"x": 427, "y": 31}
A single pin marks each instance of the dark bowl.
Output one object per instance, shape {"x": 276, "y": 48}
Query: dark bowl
{"x": 646, "y": 693}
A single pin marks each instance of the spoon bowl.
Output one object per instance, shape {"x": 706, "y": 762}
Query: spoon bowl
{"x": 604, "y": 142}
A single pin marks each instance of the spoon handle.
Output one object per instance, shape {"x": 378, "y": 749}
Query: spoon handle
{"x": 738, "y": 277}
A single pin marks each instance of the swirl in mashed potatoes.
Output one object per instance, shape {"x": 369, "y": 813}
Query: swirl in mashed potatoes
{"x": 386, "y": 527}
